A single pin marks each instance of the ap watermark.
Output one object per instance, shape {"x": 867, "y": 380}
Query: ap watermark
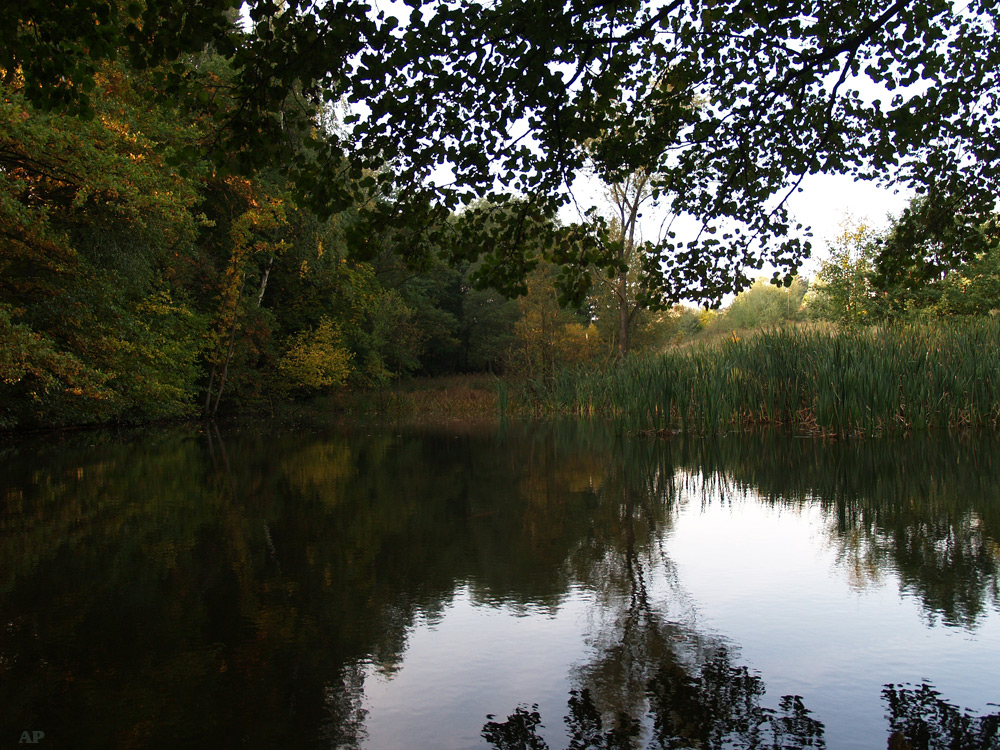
{"x": 31, "y": 738}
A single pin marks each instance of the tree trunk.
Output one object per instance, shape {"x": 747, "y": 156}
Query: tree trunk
{"x": 225, "y": 365}
{"x": 623, "y": 317}
{"x": 211, "y": 409}
{"x": 208, "y": 391}
{"x": 263, "y": 280}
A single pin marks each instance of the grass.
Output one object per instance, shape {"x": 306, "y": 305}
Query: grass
{"x": 454, "y": 397}
{"x": 817, "y": 380}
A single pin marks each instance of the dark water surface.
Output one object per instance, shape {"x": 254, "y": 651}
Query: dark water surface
{"x": 520, "y": 587}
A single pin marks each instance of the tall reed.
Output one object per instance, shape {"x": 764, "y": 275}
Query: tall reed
{"x": 857, "y": 381}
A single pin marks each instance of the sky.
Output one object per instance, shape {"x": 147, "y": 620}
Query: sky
{"x": 824, "y": 204}
{"x": 826, "y": 200}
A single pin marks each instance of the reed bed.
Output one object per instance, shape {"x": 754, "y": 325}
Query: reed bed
{"x": 871, "y": 381}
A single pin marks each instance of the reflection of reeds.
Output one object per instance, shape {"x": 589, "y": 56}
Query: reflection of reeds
{"x": 466, "y": 397}
{"x": 872, "y": 381}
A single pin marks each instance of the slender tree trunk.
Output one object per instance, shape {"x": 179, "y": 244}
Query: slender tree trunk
{"x": 627, "y": 198}
{"x": 229, "y": 356}
{"x": 623, "y": 317}
{"x": 263, "y": 280}
{"x": 225, "y": 365}
{"x": 208, "y": 390}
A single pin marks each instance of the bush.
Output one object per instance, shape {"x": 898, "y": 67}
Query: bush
{"x": 316, "y": 359}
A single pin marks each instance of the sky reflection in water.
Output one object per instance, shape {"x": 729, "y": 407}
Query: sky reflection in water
{"x": 465, "y": 588}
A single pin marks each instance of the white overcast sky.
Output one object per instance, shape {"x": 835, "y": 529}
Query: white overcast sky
{"x": 827, "y": 199}
{"x": 825, "y": 202}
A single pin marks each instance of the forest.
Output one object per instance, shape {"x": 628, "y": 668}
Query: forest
{"x": 209, "y": 207}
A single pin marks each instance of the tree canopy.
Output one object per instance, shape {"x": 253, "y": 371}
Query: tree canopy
{"x": 508, "y": 94}
{"x": 211, "y": 202}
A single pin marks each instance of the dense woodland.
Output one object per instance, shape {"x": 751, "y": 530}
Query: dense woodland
{"x": 193, "y": 221}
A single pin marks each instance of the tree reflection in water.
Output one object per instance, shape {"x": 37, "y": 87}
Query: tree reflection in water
{"x": 649, "y": 669}
{"x": 920, "y": 719}
{"x": 924, "y": 508}
{"x": 715, "y": 709}
{"x": 259, "y": 574}
{"x": 718, "y": 708}
{"x": 584, "y": 721}
{"x": 934, "y": 527}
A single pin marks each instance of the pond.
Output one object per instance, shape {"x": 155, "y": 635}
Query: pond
{"x": 516, "y": 586}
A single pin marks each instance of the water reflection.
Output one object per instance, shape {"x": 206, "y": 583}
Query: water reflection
{"x": 654, "y": 679}
{"x": 920, "y": 719}
{"x": 924, "y": 508}
{"x": 239, "y": 587}
{"x": 584, "y": 721}
{"x": 718, "y": 707}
